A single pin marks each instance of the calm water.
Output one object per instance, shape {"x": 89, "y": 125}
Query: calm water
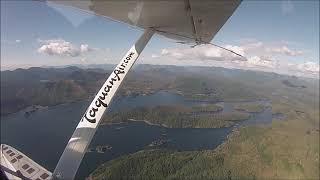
{"x": 44, "y": 134}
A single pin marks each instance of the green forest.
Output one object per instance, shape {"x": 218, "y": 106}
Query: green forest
{"x": 179, "y": 116}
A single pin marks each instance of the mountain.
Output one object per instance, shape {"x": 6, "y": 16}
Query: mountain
{"x": 21, "y": 88}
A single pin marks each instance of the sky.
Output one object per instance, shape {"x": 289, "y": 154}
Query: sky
{"x": 274, "y": 36}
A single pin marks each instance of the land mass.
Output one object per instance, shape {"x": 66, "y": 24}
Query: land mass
{"x": 22, "y": 88}
{"x": 99, "y": 148}
{"x": 179, "y": 116}
{"x": 250, "y": 107}
{"x": 285, "y": 149}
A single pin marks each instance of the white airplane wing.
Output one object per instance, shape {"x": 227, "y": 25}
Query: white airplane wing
{"x": 183, "y": 20}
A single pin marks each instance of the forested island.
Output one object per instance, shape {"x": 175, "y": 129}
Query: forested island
{"x": 249, "y": 107}
{"x": 99, "y": 148}
{"x": 179, "y": 116}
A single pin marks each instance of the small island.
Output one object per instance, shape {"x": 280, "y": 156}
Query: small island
{"x": 32, "y": 109}
{"x": 210, "y": 108}
{"x": 249, "y": 107}
{"x": 158, "y": 142}
{"x": 99, "y": 148}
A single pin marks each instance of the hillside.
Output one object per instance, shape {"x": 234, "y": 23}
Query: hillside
{"x": 179, "y": 116}
{"x": 49, "y": 86}
{"x": 285, "y": 149}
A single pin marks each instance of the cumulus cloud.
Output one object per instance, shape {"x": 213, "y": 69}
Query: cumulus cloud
{"x": 306, "y": 67}
{"x": 204, "y": 53}
{"x": 256, "y": 49}
{"x": 271, "y": 48}
{"x": 84, "y": 48}
{"x": 261, "y": 56}
{"x": 62, "y": 48}
{"x": 154, "y": 56}
{"x": 286, "y": 51}
{"x": 260, "y": 62}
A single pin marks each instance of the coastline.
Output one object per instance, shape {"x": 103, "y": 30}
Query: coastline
{"x": 149, "y": 123}
{"x": 166, "y": 126}
{"x": 134, "y": 120}
{"x": 89, "y": 98}
{"x": 24, "y": 109}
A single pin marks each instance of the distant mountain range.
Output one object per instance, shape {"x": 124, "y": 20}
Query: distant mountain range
{"x": 47, "y": 86}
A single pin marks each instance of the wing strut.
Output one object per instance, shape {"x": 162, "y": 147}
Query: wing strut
{"x": 72, "y": 155}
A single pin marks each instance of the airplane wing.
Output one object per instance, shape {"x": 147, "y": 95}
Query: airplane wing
{"x": 183, "y": 20}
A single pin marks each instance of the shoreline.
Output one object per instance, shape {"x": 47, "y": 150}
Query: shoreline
{"x": 75, "y": 101}
{"x": 134, "y": 120}
{"x": 24, "y": 110}
{"x": 166, "y": 126}
{"x": 149, "y": 123}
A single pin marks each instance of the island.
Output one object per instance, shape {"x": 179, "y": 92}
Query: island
{"x": 32, "y": 109}
{"x": 99, "y": 149}
{"x": 252, "y": 107}
{"x": 179, "y": 116}
{"x": 158, "y": 142}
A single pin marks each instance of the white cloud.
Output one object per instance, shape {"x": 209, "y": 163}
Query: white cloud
{"x": 286, "y": 51}
{"x": 281, "y": 48}
{"x": 18, "y": 41}
{"x": 154, "y": 56}
{"x": 257, "y": 61}
{"x": 261, "y": 56}
{"x": 62, "y": 48}
{"x": 306, "y": 67}
{"x": 257, "y": 52}
{"x": 204, "y": 53}
{"x": 84, "y": 48}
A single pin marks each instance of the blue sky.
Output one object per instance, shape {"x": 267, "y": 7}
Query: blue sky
{"x": 287, "y": 32}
